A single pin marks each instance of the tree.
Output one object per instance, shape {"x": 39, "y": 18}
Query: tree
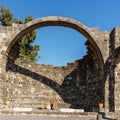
{"x": 6, "y": 16}
{"x": 26, "y": 48}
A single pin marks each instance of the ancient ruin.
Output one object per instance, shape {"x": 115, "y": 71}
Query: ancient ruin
{"x": 81, "y": 84}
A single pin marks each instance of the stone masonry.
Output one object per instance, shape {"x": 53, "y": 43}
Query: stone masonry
{"x": 81, "y": 84}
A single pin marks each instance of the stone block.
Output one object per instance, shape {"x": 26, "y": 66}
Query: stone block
{"x": 22, "y": 109}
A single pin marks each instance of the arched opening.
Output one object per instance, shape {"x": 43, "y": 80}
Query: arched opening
{"x": 56, "y": 21}
{"x": 76, "y": 85}
{"x": 60, "y": 45}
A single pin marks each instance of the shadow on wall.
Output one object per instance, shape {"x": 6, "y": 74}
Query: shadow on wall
{"x": 75, "y": 89}
{"x": 110, "y": 73}
{"x": 81, "y": 88}
{"x": 109, "y": 76}
{"x": 67, "y": 90}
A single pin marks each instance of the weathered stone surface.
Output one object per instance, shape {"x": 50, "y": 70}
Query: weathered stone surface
{"x": 80, "y": 84}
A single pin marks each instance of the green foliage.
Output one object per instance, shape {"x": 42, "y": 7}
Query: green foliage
{"x": 6, "y": 16}
{"x": 26, "y": 48}
{"x": 17, "y": 21}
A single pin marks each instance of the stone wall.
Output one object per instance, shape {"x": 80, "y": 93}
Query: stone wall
{"x": 111, "y": 72}
{"x": 76, "y": 85}
{"x": 83, "y": 82}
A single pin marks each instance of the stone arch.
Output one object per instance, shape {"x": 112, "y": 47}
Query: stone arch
{"x": 21, "y": 30}
{"x": 55, "y": 21}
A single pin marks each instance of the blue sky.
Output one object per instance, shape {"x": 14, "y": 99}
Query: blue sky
{"x": 60, "y": 45}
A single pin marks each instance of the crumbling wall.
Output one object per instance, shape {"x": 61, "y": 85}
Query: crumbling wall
{"x": 76, "y": 85}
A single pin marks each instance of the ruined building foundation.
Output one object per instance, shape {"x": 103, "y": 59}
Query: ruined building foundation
{"x": 80, "y": 84}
